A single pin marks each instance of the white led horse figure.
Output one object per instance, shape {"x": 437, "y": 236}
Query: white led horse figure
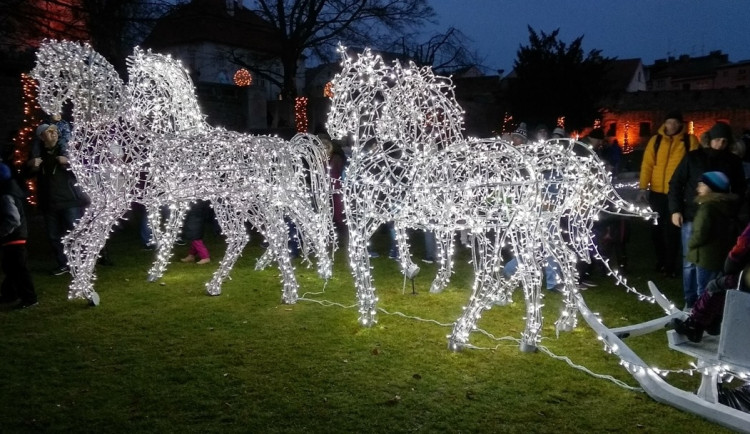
{"x": 246, "y": 178}
{"x": 575, "y": 188}
{"x": 165, "y": 102}
{"x": 99, "y": 99}
{"x": 398, "y": 114}
{"x": 423, "y": 184}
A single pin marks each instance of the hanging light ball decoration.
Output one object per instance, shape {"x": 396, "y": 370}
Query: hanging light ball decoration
{"x": 243, "y": 78}
{"x": 328, "y": 90}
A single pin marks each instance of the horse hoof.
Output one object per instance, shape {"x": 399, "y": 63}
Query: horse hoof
{"x": 455, "y": 346}
{"x": 94, "y": 300}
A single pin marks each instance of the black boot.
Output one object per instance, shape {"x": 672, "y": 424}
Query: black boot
{"x": 689, "y": 329}
{"x": 715, "y": 328}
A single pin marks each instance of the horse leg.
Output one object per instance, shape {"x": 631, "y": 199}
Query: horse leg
{"x": 169, "y": 237}
{"x": 319, "y": 225}
{"x": 154, "y": 218}
{"x": 233, "y": 227}
{"x": 408, "y": 267}
{"x": 83, "y": 244}
{"x": 278, "y": 243}
{"x": 265, "y": 260}
{"x": 445, "y": 259}
{"x": 531, "y": 279}
{"x": 481, "y": 293}
{"x": 359, "y": 261}
{"x": 568, "y": 317}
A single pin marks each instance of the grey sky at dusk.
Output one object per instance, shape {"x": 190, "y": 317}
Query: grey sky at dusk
{"x": 648, "y": 29}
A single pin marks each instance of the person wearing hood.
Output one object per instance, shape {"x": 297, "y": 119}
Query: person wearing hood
{"x": 682, "y": 193}
{"x": 519, "y": 136}
{"x": 663, "y": 153}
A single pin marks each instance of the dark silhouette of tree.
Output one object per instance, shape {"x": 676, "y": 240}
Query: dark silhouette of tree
{"x": 315, "y": 27}
{"x": 112, "y": 27}
{"x": 554, "y": 79}
{"x": 444, "y": 52}
{"x": 116, "y": 26}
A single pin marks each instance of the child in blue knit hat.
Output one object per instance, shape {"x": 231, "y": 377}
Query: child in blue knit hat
{"x": 713, "y": 227}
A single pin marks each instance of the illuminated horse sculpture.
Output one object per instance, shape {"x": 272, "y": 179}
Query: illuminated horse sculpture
{"x": 435, "y": 179}
{"x": 164, "y": 102}
{"x": 119, "y": 157}
{"x": 576, "y": 188}
{"x": 424, "y": 184}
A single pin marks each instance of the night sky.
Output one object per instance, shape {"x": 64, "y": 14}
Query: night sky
{"x": 648, "y": 29}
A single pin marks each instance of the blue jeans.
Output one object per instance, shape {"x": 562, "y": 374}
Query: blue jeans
{"x": 550, "y": 271}
{"x": 58, "y": 223}
{"x": 430, "y": 246}
{"x": 293, "y": 241}
{"x": 703, "y": 276}
{"x": 689, "y": 274}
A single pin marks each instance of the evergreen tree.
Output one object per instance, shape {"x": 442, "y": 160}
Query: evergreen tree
{"x": 554, "y": 79}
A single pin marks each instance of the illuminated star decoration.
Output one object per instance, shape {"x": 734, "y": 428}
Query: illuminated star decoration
{"x": 411, "y": 164}
{"x": 147, "y": 142}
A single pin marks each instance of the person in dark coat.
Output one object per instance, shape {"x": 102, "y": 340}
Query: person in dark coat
{"x": 713, "y": 234}
{"x": 682, "y": 192}
{"x": 13, "y": 233}
{"x": 60, "y": 199}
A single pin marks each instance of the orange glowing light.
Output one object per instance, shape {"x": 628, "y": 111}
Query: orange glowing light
{"x": 300, "y": 114}
{"x": 243, "y": 77}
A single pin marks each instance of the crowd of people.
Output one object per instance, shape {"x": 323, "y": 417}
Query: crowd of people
{"x": 697, "y": 188}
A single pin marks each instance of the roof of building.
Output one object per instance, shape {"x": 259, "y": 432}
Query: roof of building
{"x": 691, "y": 100}
{"x": 738, "y": 64}
{"x": 210, "y": 21}
{"x": 688, "y": 67}
{"x": 468, "y": 86}
{"x": 621, "y": 73}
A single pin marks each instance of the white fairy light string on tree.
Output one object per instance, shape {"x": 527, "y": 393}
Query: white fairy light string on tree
{"x": 148, "y": 142}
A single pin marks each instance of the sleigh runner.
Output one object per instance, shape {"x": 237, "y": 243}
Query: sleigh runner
{"x": 727, "y": 354}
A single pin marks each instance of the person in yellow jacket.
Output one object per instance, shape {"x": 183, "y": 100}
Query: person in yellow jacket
{"x": 663, "y": 153}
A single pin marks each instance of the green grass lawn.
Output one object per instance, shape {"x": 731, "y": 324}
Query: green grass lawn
{"x": 165, "y": 357}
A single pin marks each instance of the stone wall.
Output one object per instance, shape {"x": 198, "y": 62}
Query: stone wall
{"x": 642, "y": 113}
